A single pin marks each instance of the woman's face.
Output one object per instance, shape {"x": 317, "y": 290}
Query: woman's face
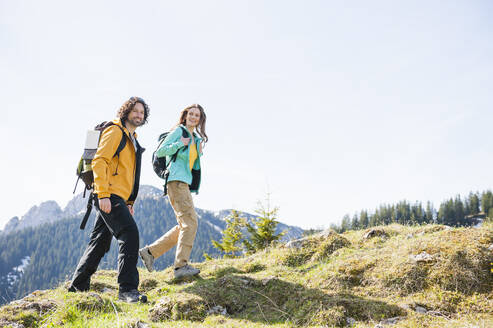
{"x": 193, "y": 117}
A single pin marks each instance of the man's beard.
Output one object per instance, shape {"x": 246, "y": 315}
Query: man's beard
{"x": 136, "y": 123}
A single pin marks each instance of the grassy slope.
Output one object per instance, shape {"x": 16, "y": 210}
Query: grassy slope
{"x": 326, "y": 282}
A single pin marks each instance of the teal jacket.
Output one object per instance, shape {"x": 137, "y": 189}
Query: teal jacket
{"x": 180, "y": 169}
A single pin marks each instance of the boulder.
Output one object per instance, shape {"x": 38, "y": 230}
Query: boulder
{"x": 327, "y": 233}
{"x": 218, "y": 309}
{"x": 422, "y": 257}
{"x": 6, "y": 323}
{"x": 391, "y": 321}
{"x": 41, "y": 307}
{"x": 265, "y": 281}
{"x": 138, "y": 324}
{"x": 298, "y": 243}
{"x": 375, "y": 233}
{"x": 183, "y": 307}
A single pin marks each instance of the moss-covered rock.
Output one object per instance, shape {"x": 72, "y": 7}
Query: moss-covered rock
{"x": 148, "y": 284}
{"x": 91, "y": 302}
{"x": 315, "y": 248}
{"x": 335, "y": 316}
{"x": 181, "y": 307}
{"x": 375, "y": 232}
{"x": 329, "y": 245}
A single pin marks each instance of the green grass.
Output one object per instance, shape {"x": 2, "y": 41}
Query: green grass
{"x": 325, "y": 283}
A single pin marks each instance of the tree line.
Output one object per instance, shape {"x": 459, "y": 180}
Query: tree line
{"x": 452, "y": 212}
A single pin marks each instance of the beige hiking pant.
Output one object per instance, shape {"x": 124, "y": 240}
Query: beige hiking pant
{"x": 182, "y": 234}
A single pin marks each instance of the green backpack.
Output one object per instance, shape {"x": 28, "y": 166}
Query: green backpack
{"x": 84, "y": 168}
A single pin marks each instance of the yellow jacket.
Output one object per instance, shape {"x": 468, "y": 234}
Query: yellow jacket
{"x": 117, "y": 175}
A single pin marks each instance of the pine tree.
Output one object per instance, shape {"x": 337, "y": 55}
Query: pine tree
{"x": 446, "y": 213}
{"x": 355, "y": 225}
{"x": 474, "y": 203}
{"x": 372, "y": 220}
{"x": 346, "y": 223}
{"x": 335, "y": 227}
{"x": 487, "y": 202}
{"x": 429, "y": 212}
{"x": 232, "y": 236}
{"x": 363, "y": 219}
{"x": 459, "y": 212}
{"x": 262, "y": 231}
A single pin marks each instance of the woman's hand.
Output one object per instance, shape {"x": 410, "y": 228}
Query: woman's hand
{"x": 185, "y": 141}
{"x": 201, "y": 147}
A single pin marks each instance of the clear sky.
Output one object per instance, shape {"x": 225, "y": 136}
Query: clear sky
{"x": 332, "y": 106}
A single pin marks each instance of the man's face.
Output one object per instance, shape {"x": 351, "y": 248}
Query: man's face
{"x": 136, "y": 116}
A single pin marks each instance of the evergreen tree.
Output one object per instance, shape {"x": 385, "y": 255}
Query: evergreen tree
{"x": 373, "y": 220}
{"x": 430, "y": 213}
{"x": 232, "y": 236}
{"x": 355, "y": 222}
{"x": 487, "y": 202}
{"x": 262, "y": 231}
{"x": 346, "y": 223}
{"x": 474, "y": 203}
{"x": 363, "y": 219}
{"x": 459, "y": 212}
{"x": 335, "y": 227}
{"x": 446, "y": 213}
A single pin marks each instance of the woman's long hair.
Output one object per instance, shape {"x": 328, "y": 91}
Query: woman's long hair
{"x": 201, "y": 125}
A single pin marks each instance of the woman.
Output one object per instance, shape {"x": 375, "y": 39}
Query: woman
{"x": 184, "y": 178}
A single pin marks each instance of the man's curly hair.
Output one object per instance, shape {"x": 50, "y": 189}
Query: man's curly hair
{"x": 129, "y": 105}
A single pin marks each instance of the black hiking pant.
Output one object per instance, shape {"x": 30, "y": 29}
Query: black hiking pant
{"x": 120, "y": 224}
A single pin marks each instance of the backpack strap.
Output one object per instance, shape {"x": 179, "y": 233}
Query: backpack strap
{"x": 122, "y": 144}
{"x": 88, "y": 211}
{"x": 103, "y": 126}
{"x": 184, "y": 134}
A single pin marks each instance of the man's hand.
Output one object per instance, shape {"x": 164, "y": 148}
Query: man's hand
{"x": 105, "y": 205}
{"x": 185, "y": 141}
{"x": 131, "y": 209}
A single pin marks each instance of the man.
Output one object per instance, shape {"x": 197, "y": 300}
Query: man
{"x": 116, "y": 184}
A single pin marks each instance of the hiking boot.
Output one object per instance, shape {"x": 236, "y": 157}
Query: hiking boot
{"x": 186, "y": 271}
{"x": 73, "y": 289}
{"x": 147, "y": 258}
{"x": 132, "y": 296}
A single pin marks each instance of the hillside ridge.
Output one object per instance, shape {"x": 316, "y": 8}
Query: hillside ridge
{"x": 28, "y": 262}
{"x": 386, "y": 276}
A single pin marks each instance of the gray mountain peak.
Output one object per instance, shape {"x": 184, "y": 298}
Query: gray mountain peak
{"x": 11, "y": 225}
{"x": 46, "y": 212}
{"x": 76, "y": 205}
